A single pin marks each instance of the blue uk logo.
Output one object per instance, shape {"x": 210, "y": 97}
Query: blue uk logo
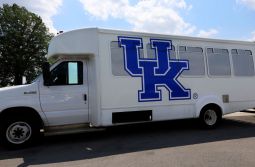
{"x": 160, "y": 72}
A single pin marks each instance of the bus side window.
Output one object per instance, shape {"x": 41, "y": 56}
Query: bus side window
{"x": 117, "y": 59}
{"x": 151, "y": 52}
{"x": 218, "y": 62}
{"x": 195, "y": 56}
{"x": 242, "y": 62}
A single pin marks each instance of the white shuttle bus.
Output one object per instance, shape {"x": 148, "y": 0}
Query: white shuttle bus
{"x": 105, "y": 78}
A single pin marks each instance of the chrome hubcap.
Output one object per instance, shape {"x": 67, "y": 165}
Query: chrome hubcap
{"x": 210, "y": 117}
{"x": 18, "y": 132}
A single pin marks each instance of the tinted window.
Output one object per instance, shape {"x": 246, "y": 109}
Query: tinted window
{"x": 117, "y": 59}
{"x": 218, "y": 62}
{"x": 67, "y": 73}
{"x": 195, "y": 57}
{"x": 151, "y": 52}
{"x": 242, "y": 62}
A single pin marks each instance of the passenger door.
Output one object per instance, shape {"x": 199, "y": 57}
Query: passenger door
{"x": 65, "y": 101}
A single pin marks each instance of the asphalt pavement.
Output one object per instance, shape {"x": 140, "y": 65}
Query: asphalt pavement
{"x": 179, "y": 143}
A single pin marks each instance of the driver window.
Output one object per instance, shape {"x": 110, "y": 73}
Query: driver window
{"x": 67, "y": 73}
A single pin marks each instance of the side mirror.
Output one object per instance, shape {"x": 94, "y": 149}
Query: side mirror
{"x": 46, "y": 73}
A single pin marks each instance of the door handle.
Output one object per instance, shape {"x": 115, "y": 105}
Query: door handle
{"x": 85, "y": 97}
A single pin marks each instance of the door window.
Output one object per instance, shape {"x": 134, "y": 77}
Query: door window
{"x": 67, "y": 73}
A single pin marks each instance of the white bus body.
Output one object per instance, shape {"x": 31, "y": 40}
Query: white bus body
{"x": 118, "y": 77}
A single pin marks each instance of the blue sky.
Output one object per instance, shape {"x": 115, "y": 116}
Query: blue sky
{"x": 227, "y": 19}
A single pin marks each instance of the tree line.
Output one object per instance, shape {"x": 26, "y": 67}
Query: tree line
{"x": 24, "y": 39}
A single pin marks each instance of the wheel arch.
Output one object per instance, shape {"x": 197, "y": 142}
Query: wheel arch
{"x": 210, "y": 101}
{"x": 24, "y": 111}
{"x": 212, "y": 105}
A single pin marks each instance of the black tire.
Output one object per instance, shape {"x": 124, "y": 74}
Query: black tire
{"x": 19, "y": 132}
{"x": 210, "y": 117}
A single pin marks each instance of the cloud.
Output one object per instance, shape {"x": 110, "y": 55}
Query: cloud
{"x": 207, "y": 34}
{"x": 158, "y": 16}
{"x": 248, "y": 3}
{"x": 105, "y": 9}
{"x": 44, "y": 8}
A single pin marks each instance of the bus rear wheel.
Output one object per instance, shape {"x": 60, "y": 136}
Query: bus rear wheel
{"x": 210, "y": 117}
